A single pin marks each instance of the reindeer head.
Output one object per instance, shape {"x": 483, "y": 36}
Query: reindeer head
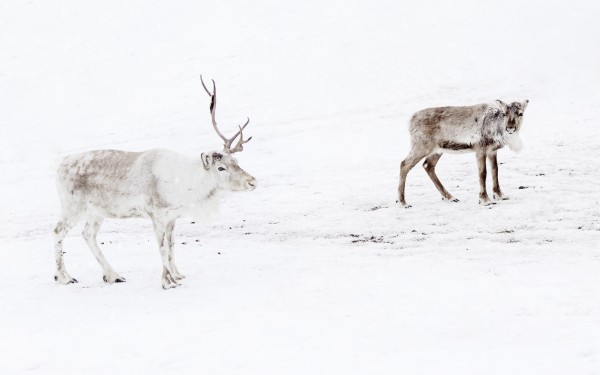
{"x": 515, "y": 116}
{"x": 222, "y": 163}
{"x": 229, "y": 175}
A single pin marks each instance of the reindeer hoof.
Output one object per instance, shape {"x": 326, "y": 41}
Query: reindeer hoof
{"x": 113, "y": 279}
{"x": 501, "y": 197}
{"x": 65, "y": 280}
{"x": 166, "y": 286}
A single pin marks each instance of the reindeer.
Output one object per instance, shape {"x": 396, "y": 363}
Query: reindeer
{"x": 158, "y": 184}
{"x": 482, "y": 128}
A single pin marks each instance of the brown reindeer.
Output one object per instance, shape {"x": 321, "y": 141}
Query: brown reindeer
{"x": 481, "y": 128}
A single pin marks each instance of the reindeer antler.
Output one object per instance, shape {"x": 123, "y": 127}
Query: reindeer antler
{"x": 228, "y": 141}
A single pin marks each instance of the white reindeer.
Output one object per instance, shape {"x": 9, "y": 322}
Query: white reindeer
{"x": 481, "y": 128}
{"x": 159, "y": 184}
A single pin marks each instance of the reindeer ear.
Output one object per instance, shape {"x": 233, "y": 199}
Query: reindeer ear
{"x": 524, "y": 104}
{"x": 206, "y": 160}
{"x": 503, "y": 106}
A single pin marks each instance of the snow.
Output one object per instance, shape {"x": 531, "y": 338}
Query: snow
{"x": 318, "y": 270}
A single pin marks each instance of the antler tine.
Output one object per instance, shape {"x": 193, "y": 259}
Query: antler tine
{"x": 214, "y": 93}
{"x": 242, "y": 128}
{"x": 239, "y": 146}
{"x": 213, "y": 109}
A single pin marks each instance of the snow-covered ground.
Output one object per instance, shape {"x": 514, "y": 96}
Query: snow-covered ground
{"x": 317, "y": 271}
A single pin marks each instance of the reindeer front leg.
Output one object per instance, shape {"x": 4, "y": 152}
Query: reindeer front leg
{"x": 176, "y": 275}
{"x": 160, "y": 229}
{"x": 483, "y": 196}
{"x": 494, "y": 165}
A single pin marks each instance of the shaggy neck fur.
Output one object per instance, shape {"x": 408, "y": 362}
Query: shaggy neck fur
{"x": 186, "y": 186}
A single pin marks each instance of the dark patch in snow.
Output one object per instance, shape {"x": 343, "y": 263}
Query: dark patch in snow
{"x": 374, "y": 239}
{"x": 506, "y": 231}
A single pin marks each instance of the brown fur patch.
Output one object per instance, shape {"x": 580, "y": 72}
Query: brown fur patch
{"x": 449, "y": 145}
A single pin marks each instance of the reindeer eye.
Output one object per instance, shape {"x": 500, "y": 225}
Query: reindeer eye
{"x": 221, "y": 168}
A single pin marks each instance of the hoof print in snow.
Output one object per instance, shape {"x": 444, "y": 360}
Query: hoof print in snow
{"x": 364, "y": 239}
{"x": 506, "y": 231}
{"x": 453, "y": 200}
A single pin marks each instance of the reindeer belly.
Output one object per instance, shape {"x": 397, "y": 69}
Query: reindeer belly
{"x": 454, "y": 147}
{"x": 120, "y": 208}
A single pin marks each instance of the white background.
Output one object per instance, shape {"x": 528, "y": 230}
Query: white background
{"x": 317, "y": 271}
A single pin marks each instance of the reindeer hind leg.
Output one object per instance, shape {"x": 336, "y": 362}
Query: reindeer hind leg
{"x": 92, "y": 226}
{"x": 429, "y": 165}
{"x": 68, "y": 220}
{"x": 407, "y": 164}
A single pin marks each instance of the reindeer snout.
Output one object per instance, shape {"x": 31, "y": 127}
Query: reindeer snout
{"x": 251, "y": 183}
